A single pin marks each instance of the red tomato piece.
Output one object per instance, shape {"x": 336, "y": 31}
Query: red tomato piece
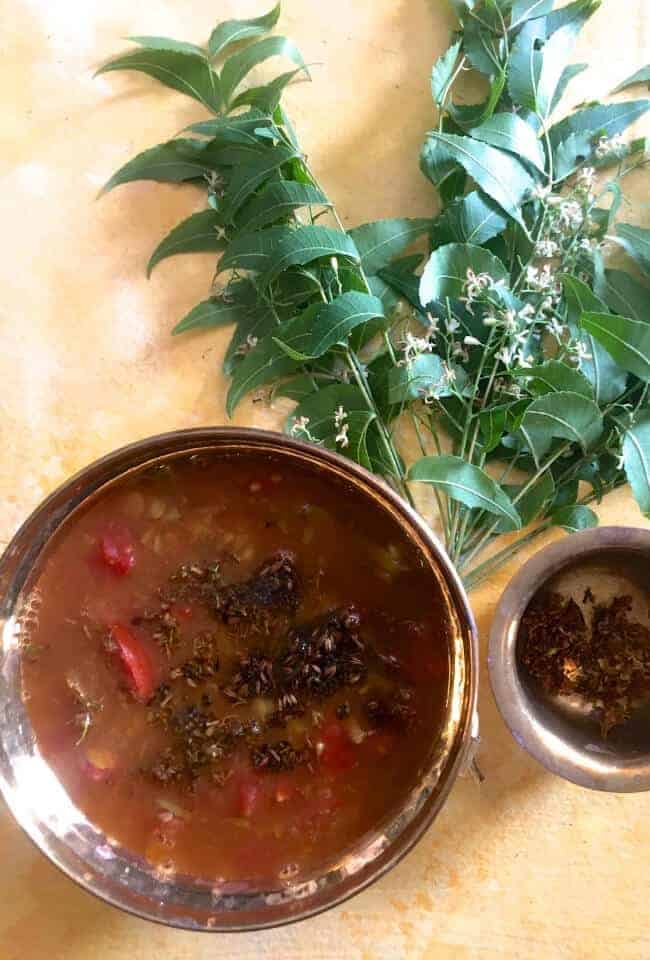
{"x": 338, "y": 752}
{"x": 117, "y": 551}
{"x": 135, "y": 660}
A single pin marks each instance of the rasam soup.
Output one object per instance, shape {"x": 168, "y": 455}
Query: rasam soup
{"x": 237, "y": 669}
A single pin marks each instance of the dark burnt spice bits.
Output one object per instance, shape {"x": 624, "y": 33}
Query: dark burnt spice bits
{"x": 313, "y": 662}
{"x": 274, "y": 588}
{"x": 605, "y": 661}
{"x": 325, "y": 656}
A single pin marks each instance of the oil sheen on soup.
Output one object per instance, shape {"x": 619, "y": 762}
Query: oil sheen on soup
{"x": 238, "y": 668}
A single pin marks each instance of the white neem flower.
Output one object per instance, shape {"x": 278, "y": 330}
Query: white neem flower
{"x": 557, "y": 329}
{"x": 249, "y": 344}
{"x": 515, "y": 390}
{"x": 341, "y": 437}
{"x": 541, "y": 280}
{"x": 475, "y": 284}
{"x": 547, "y": 249}
{"x": 339, "y": 416}
{"x": 571, "y": 214}
{"x": 532, "y": 277}
{"x": 527, "y": 313}
{"x": 472, "y": 342}
{"x": 506, "y": 355}
{"x": 414, "y": 347}
{"x": 586, "y": 177}
{"x": 523, "y": 360}
{"x": 447, "y": 379}
{"x": 300, "y": 427}
{"x": 581, "y": 352}
{"x": 609, "y": 145}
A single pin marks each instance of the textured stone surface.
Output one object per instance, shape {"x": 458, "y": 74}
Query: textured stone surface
{"x": 524, "y": 866}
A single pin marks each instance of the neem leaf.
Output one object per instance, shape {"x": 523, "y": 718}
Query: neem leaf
{"x": 277, "y": 201}
{"x": 627, "y": 296}
{"x": 577, "y": 12}
{"x": 599, "y": 120}
{"x": 328, "y": 324}
{"x": 303, "y": 245}
{"x": 172, "y": 162}
{"x": 523, "y": 10}
{"x": 267, "y": 96}
{"x": 484, "y": 49}
{"x": 574, "y": 518}
{"x": 473, "y": 218}
{"x": 636, "y": 458}
{"x": 320, "y": 411}
{"x": 497, "y": 173}
{"x": 466, "y": 483}
{"x": 636, "y": 242}
{"x": 509, "y": 132}
{"x": 605, "y": 375}
{"x": 382, "y": 240}
{"x": 554, "y": 377}
{"x": 568, "y": 74}
{"x": 256, "y": 322}
{"x": 239, "y": 65}
{"x": 537, "y": 62}
{"x": 210, "y": 313}
{"x": 251, "y": 175}
{"x": 190, "y": 73}
{"x": 627, "y": 341}
{"x": 199, "y": 233}
{"x": 252, "y": 250}
{"x": 564, "y": 415}
{"x": 443, "y": 70}
{"x": 533, "y": 503}
{"x": 166, "y": 43}
{"x": 244, "y": 128}
{"x": 574, "y": 139}
{"x": 445, "y": 274}
{"x": 497, "y": 420}
{"x": 296, "y": 388}
{"x": 233, "y": 31}
{"x": 536, "y": 499}
{"x": 409, "y": 382}
{"x": 266, "y": 362}
{"x": 641, "y": 76}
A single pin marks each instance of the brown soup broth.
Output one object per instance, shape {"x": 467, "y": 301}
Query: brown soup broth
{"x": 238, "y": 668}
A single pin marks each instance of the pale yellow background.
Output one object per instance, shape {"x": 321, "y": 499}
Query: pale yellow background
{"x": 524, "y": 866}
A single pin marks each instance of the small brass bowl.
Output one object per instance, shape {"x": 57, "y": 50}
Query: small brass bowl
{"x": 40, "y": 804}
{"x": 564, "y": 733}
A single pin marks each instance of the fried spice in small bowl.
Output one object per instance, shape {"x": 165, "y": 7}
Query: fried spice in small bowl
{"x": 569, "y": 658}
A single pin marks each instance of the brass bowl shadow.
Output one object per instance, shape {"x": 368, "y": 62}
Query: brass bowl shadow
{"x": 564, "y": 733}
{"x": 40, "y": 804}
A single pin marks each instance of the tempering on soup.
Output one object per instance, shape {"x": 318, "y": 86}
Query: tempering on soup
{"x": 238, "y": 668}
